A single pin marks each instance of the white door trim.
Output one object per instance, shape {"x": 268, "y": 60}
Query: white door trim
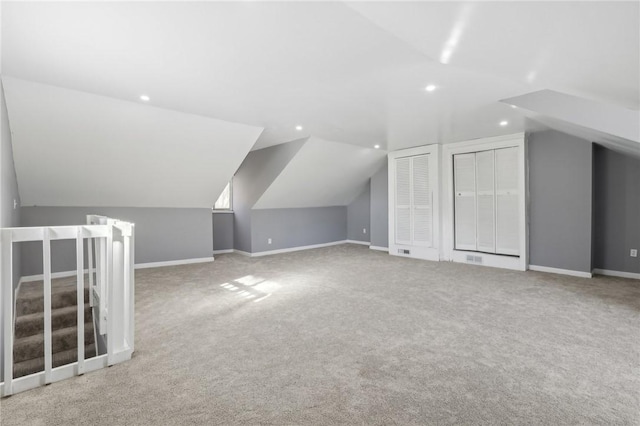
{"x": 421, "y": 252}
{"x": 520, "y": 262}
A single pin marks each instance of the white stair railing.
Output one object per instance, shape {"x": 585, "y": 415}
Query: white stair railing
{"x": 111, "y": 296}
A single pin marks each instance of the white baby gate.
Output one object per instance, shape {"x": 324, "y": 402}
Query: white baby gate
{"x": 111, "y": 293}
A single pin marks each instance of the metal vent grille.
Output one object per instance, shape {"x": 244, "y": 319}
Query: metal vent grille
{"x": 474, "y": 259}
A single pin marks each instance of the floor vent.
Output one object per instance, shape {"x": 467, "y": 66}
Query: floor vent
{"x": 474, "y": 259}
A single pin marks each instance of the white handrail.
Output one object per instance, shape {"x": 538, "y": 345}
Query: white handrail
{"x": 113, "y": 287}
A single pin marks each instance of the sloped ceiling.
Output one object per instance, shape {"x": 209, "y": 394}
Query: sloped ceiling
{"x": 258, "y": 171}
{"x": 351, "y": 73}
{"x": 323, "y": 173}
{"x": 584, "y": 48}
{"x": 77, "y": 149}
{"x": 610, "y": 125}
{"x": 346, "y": 72}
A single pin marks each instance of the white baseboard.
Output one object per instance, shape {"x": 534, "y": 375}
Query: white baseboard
{"x": 65, "y": 274}
{"x": 364, "y": 243}
{"x": 173, "y": 263}
{"x": 292, "y": 249}
{"x": 243, "y": 253}
{"x": 620, "y": 274}
{"x": 385, "y": 249}
{"x": 573, "y": 273}
{"x": 223, "y": 251}
{"x": 54, "y": 275}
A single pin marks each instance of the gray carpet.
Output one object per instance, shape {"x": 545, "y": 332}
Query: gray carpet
{"x": 346, "y": 335}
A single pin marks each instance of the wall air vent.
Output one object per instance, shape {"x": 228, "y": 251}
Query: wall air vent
{"x": 474, "y": 259}
{"x": 404, "y": 251}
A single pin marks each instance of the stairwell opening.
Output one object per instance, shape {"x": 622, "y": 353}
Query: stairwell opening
{"x": 29, "y": 322}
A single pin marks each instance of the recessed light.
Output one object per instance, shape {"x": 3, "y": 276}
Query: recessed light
{"x": 298, "y": 128}
{"x": 504, "y": 123}
{"x": 376, "y": 146}
{"x": 144, "y": 98}
{"x": 430, "y": 88}
{"x": 513, "y": 106}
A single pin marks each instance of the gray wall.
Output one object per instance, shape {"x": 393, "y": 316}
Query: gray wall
{"x": 616, "y": 210}
{"x": 222, "y": 231}
{"x": 253, "y": 177}
{"x": 297, "y": 227}
{"x": 9, "y": 216}
{"x": 358, "y": 216}
{"x": 162, "y": 234}
{"x": 560, "y": 184}
{"x": 380, "y": 208}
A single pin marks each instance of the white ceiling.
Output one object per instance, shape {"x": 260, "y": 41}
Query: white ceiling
{"x": 334, "y": 174}
{"x": 351, "y": 73}
{"x": 610, "y": 125}
{"x": 78, "y": 149}
{"x": 589, "y": 49}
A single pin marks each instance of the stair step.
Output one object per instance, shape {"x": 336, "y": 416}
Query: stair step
{"x": 30, "y": 324}
{"x": 32, "y": 347}
{"x": 35, "y": 365}
{"x": 61, "y": 297}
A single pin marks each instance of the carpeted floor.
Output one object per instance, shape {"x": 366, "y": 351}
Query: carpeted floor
{"x": 347, "y": 335}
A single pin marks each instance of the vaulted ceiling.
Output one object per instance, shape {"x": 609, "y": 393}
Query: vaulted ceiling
{"x": 74, "y": 148}
{"x": 347, "y": 72}
{"x": 334, "y": 174}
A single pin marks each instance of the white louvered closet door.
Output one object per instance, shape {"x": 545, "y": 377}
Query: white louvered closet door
{"x": 507, "y": 201}
{"x": 413, "y": 203}
{"x": 465, "y": 201}
{"x": 403, "y": 201}
{"x": 485, "y": 203}
{"x": 422, "y": 209}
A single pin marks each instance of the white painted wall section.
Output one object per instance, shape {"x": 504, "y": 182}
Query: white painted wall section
{"x": 74, "y": 148}
{"x": 323, "y": 173}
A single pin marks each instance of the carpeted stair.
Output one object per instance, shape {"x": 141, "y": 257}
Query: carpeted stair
{"x": 28, "y": 346}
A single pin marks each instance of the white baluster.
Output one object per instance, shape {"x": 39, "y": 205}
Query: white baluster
{"x": 80, "y": 300}
{"x": 46, "y": 264}
{"x": 7, "y": 300}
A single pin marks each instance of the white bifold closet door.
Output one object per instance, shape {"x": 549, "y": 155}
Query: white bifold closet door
{"x": 486, "y": 201}
{"x": 465, "y": 201}
{"x": 507, "y": 196}
{"x": 485, "y": 206}
{"x": 413, "y": 202}
{"x": 403, "y": 201}
{"x": 421, "y": 201}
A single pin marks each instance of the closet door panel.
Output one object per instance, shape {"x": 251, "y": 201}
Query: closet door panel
{"x": 465, "y": 201}
{"x": 507, "y": 201}
{"x": 403, "y": 201}
{"x": 485, "y": 173}
{"x": 422, "y": 204}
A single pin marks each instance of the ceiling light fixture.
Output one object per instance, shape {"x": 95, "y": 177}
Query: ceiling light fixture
{"x": 145, "y": 98}
{"x": 513, "y": 106}
{"x": 298, "y": 128}
{"x": 504, "y": 123}
{"x": 430, "y": 88}
{"x": 376, "y": 146}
